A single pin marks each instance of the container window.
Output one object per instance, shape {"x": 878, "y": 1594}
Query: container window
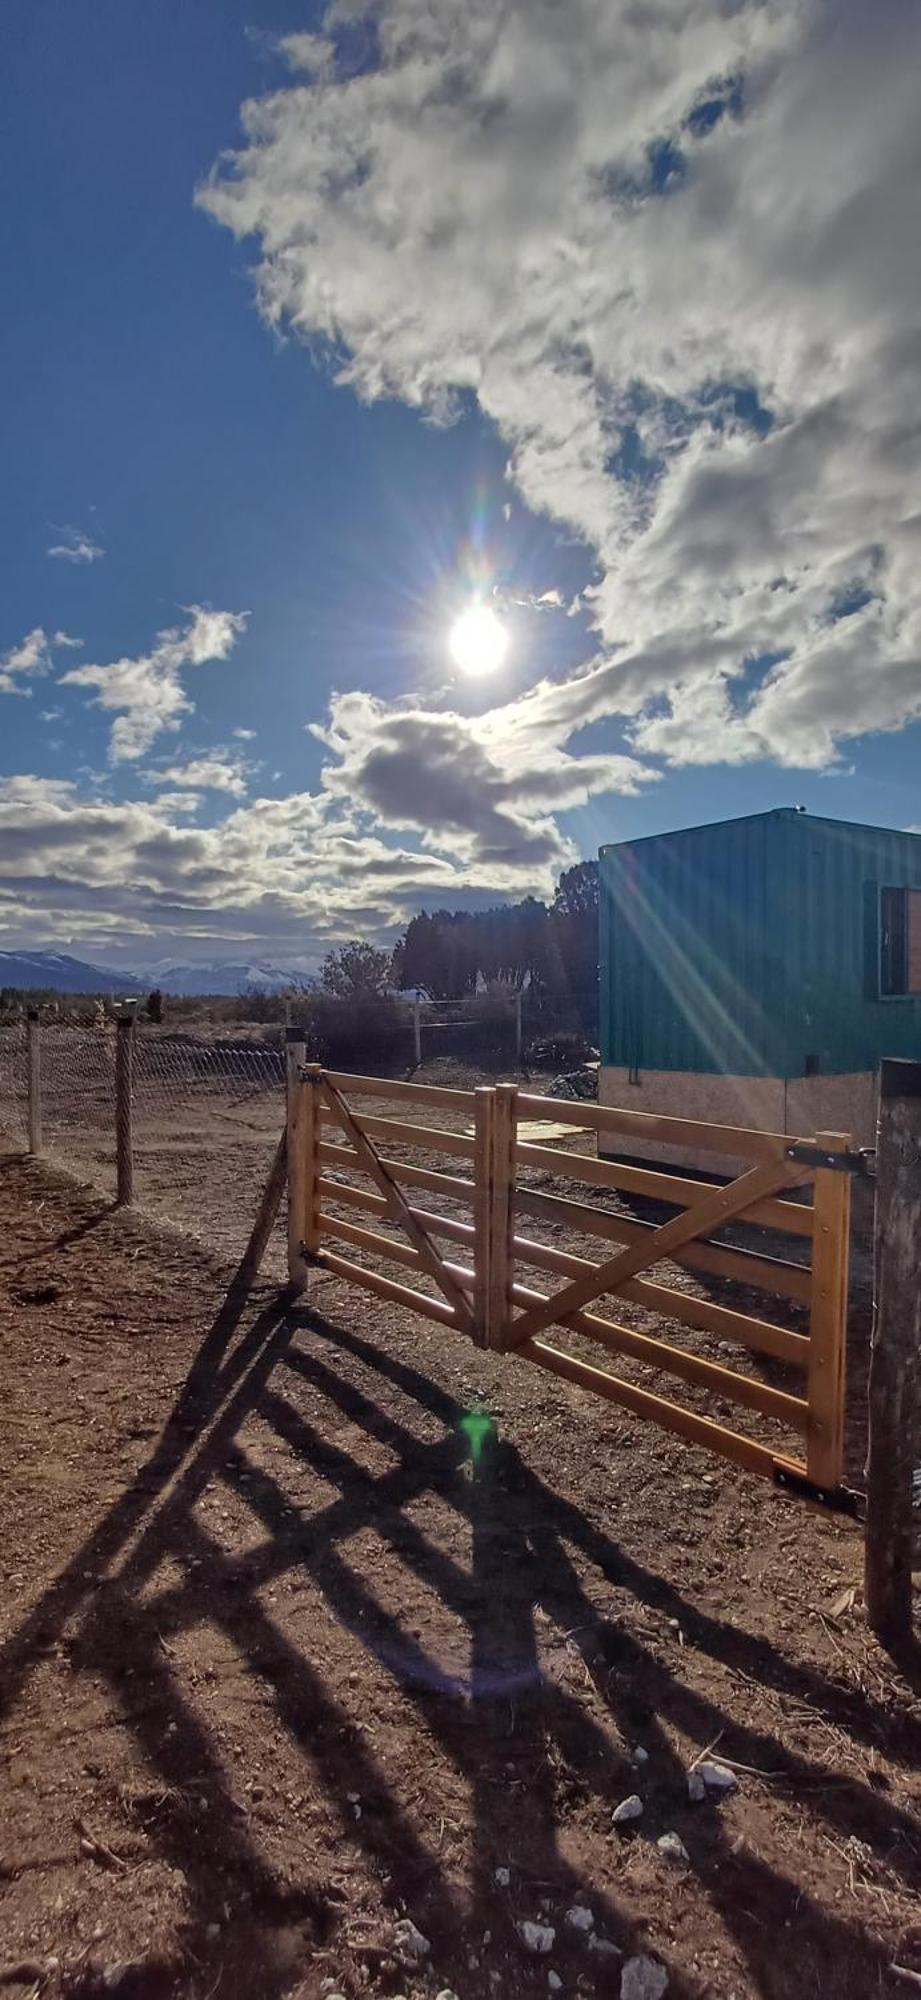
{"x": 900, "y": 941}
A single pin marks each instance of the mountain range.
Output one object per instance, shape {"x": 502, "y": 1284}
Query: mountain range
{"x": 58, "y": 972}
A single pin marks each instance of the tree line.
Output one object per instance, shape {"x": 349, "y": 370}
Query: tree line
{"x": 552, "y": 949}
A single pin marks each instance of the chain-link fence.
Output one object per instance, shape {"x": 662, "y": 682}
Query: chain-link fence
{"x": 205, "y": 1120}
{"x": 13, "y": 1085}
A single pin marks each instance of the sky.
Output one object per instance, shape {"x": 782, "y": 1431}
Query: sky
{"x": 323, "y": 325}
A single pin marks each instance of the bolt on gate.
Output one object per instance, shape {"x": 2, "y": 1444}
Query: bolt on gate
{"x": 340, "y": 1156}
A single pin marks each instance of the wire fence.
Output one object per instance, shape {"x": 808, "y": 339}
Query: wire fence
{"x": 205, "y": 1121}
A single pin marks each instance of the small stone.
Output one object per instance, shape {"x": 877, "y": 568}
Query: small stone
{"x": 629, "y": 1809}
{"x": 673, "y": 1625}
{"x": 554, "y": 1981}
{"x": 672, "y": 1848}
{"x": 580, "y": 1919}
{"x": 212, "y": 1933}
{"x": 447, "y": 1993}
{"x": 539, "y": 1938}
{"x": 409, "y": 1942}
{"x": 502, "y": 1877}
{"x": 697, "y": 1790}
{"x": 639, "y": 1755}
{"x": 718, "y": 1777}
{"x": 643, "y": 1979}
{"x": 603, "y": 1948}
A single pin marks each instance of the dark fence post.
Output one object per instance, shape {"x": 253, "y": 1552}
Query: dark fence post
{"x": 895, "y": 1353}
{"x": 34, "y": 1053}
{"x": 124, "y": 1142}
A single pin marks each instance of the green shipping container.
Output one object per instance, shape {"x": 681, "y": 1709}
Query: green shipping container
{"x": 777, "y": 945}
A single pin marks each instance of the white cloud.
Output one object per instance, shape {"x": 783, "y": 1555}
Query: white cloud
{"x": 245, "y": 735}
{"x": 30, "y": 659}
{"x": 76, "y": 547}
{"x": 672, "y": 249}
{"x": 215, "y": 773}
{"x": 146, "y": 694}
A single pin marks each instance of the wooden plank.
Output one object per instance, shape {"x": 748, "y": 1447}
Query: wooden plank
{"x": 895, "y": 1357}
{"x": 828, "y": 1318}
{"x": 747, "y": 1452}
{"x": 296, "y": 1090}
{"x": 124, "y": 1110}
{"x": 399, "y": 1207}
{"x": 390, "y": 1289}
{"x": 662, "y": 1354}
{"x": 743, "y": 1267}
{"x": 400, "y": 1131}
{"x": 484, "y": 1118}
{"x": 501, "y": 1190}
{"x": 745, "y": 1328}
{"x": 411, "y": 1093}
{"x": 653, "y": 1129}
{"x": 371, "y": 1239}
{"x": 251, "y": 1260}
{"x": 718, "y": 1205}
{"x": 452, "y": 1186}
{"x": 792, "y": 1216}
{"x": 311, "y": 1189}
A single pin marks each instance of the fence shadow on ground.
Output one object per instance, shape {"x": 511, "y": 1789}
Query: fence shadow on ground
{"x": 521, "y": 1741}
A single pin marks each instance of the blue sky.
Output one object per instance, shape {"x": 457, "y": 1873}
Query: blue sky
{"x": 539, "y": 403}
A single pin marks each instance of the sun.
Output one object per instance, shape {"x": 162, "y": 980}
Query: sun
{"x": 478, "y": 641}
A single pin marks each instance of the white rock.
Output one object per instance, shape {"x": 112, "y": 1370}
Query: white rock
{"x": 539, "y": 1938}
{"x": 502, "y": 1876}
{"x": 410, "y": 1944}
{"x": 643, "y": 1979}
{"x": 639, "y": 1756}
{"x": 718, "y": 1777}
{"x": 672, "y": 1848}
{"x": 580, "y": 1919}
{"x": 447, "y": 1993}
{"x": 631, "y": 1808}
{"x": 554, "y": 1981}
{"x": 603, "y": 1948}
{"x": 697, "y": 1790}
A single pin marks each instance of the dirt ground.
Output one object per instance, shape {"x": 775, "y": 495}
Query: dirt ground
{"x": 293, "y": 1651}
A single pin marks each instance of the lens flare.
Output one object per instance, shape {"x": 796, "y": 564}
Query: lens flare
{"x": 478, "y": 641}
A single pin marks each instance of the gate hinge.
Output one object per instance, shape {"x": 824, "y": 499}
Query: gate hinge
{"x": 836, "y": 1499}
{"x": 807, "y": 1154}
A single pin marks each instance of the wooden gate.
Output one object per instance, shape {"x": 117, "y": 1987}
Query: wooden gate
{"x": 341, "y": 1157}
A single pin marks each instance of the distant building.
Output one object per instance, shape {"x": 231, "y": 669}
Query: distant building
{"x": 754, "y": 972}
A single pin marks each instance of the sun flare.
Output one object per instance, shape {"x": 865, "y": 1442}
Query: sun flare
{"x": 478, "y": 641}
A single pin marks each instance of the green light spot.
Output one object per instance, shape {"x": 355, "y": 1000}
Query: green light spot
{"x": 479, "y": 1429}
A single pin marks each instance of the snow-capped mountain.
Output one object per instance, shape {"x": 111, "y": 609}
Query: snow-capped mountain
{"x": 58, "y": 972}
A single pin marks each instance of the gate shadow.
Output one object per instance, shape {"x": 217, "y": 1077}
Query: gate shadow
{"x": 525, "y": 1744}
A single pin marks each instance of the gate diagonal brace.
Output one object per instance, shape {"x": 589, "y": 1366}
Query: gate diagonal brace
{"x": 400, "y": 1210}
{"x": 719, "y": 1206}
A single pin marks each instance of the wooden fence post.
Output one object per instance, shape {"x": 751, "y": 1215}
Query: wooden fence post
{"x": 895, "y": 1352}
{"x": 828, "y": 1317}
{"x": 494, "y": 1185}
{"x": 484, "y": 1112}
{"x": 296, "y": 1126}
{"x": 34, "y": 1044}
{"x": 311, "y": 1150}
{"x": 502, "y": 1216}
{"x": 124, "y": 1136}
{"x": 417, "y": 1032}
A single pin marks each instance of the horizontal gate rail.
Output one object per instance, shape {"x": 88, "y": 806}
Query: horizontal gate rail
{"x": 336, "y": 1164}
{"x": 745, "y": 1267}
{"x": 794, "y": 1217}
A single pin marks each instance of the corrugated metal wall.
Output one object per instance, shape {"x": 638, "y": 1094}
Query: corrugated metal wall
{"x": 751, "y": 948}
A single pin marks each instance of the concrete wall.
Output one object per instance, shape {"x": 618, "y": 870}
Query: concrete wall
{"x": 799, "y": 1105}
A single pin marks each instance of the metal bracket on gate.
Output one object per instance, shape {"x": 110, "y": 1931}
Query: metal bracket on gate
{"x": 836, "y": 1499}
{"x": 807, "y": 1154}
